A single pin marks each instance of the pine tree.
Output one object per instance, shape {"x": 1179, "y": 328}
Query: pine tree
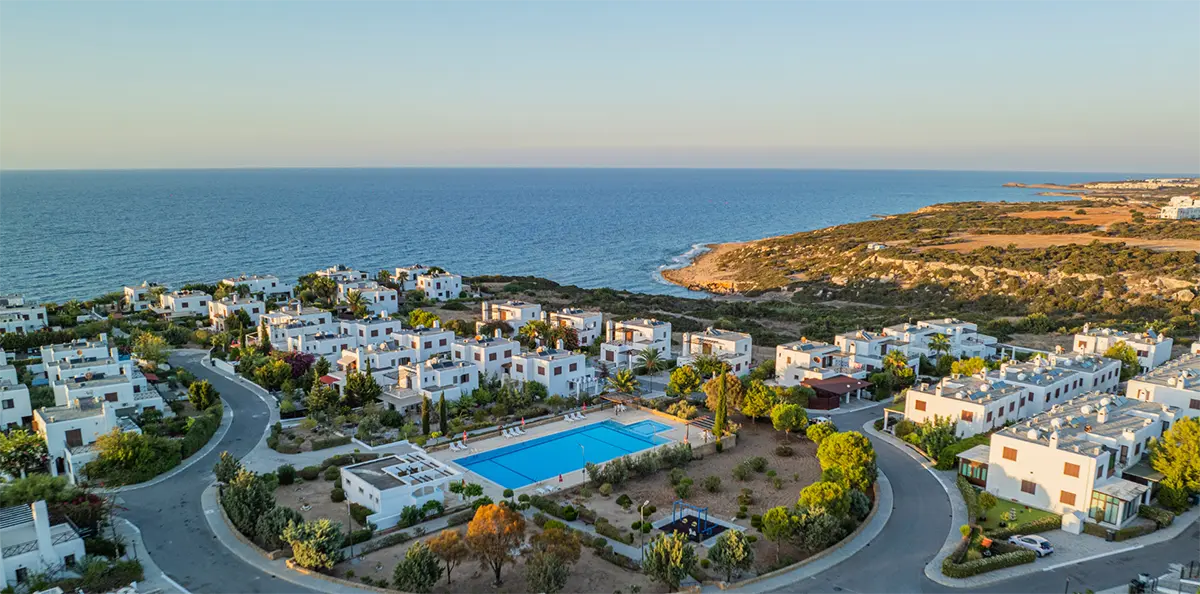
{"x": 424, "y": 416}
{"x": 442, "y": 424}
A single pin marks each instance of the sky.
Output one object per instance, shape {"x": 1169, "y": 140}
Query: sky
{"x": 1049, "y": 86}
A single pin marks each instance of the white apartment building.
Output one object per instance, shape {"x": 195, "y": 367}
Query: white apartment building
{"x": 624, "y": 341}
{"x": 387, "y": 485}
{"x": 376, "y": 329}
{"x": 441, "y": 286}
{"x": 491, "y": 354}
{"x": 20, "y": 317}
{"x": 865, "y": 350}
{"x": 82, "y": 348}
{"x": 406, "y": 276}
{"x": 964, "y": 338}
{"x": 587, "y": 324}
{"x": 382, "y": 358}
{"x": 378, "y": 298}
{"x": 32, "y": 543}
{"x": 266, "y": 286}
{"x": 219, "y": 309}
{"x": 1153, "y": 349}
{"x": 976, "y": 404}
{"x": 343, "y": 274}
{"x": 83, "y": 370}
{"x": 139, "y": 297}
{"x": 807, "y": 359}
{"x": 515, "y": 313}
{"x": 1047, "y": 381}
{"x": 731, "y": 347}
{"x": 1177, "y": 384}
{"x": 8, "y": 372}
{"x": 293, "y": 320}
{"x": 427, "y": 343}
{"x": 563, "y": 372}
{"x": 1071, "y": 459}
{"x": 1181, "y": 207}
{"x": 176, "y": 304}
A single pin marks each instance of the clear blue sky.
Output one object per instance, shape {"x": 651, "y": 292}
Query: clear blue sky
{"x": 1101, "y": 86}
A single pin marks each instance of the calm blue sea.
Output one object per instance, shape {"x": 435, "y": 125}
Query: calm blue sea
{"x": 76, "y": 234}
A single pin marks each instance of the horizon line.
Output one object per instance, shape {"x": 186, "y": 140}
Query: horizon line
{"x": 562, "y": 167}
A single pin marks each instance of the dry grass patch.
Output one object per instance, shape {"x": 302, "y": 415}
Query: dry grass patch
{"x": 314, "y": 494}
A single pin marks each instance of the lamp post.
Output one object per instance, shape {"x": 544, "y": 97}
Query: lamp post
{"x": 642, "y": 515}
{"x": 350, "y": 525}
{"x": 583, "y": 454}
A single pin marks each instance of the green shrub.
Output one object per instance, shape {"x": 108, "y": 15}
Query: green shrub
{"x": 604, "y": 528}
{"x": 1162, "y": 518}
{"x": 309, "y": 473}
{"x": 675, "y": 476}
{"x": 570, "y": 514}
{"x": 784, "y": 451}
{"x": 705, "y": 563}
{"x": 523, "y": 497}
{"x": 359, "y": 513}
{"x": 337, "y": 495}
{"x": 712, "y": 484}
{"x": 684, "y": 488}
{"x": 742, "y": 472}
{"x": 970, "y": 497}
{"x": 330, "y": 442}
{"x": 948, "y": 454}
{"x": 606, "y": 489}
{"x": 358, "y": 536}
{"x": 1043, "y": 524}
{"x": 332, "y": 473}
{"x": 103, "y": 547}
{"x": 286, "y": 474}
{"x": 757, "y": 464}
{"x": 986, "y": 564}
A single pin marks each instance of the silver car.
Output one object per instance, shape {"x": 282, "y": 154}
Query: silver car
{"x": 1032, "y": 542}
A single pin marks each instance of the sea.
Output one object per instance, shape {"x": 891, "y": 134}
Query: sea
{"x": 77, "y": 234}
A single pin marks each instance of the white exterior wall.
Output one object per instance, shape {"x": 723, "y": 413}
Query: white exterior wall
{"x": 440, "y": 287}
{"x": 428, "y": 342}
{"x": 514, "y": 313}
{"x": 138, "y": 298}
{"x": 220, "y": 309}
{"x": 22, "y": 319}
{"x": 1186, "y": 398}
{"x": 1043, "y": 466}
{"x": 557, "y": 374}
{"x": 588, "y": 325}
{"x": 732, "y": 348}
{"x": 266, "y": 285}
{"x": 15, "y": 407}
{"x": 47, "y": 554}
{"x": 1150, "y": 353}
{"x": 371, "y": 330}
{"x": 491, "y": 357}
{"x": 181, "y": 303}
{"x": 953, "y": 408}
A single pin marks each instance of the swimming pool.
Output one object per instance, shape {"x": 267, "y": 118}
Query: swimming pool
{"x": 547, "y": 457}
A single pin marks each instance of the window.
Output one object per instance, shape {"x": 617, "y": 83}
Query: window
{"x": 508, "y": 353}
{"x": 1071, "y": 469}
{"x": 1195, "y": 403}
{"x": 919, "y": 404}
{"x": 1000, "y": 412}
{"x": 1066, "y": 498}
{"x": 491, "y": 356}
{"x": 558, "y": 370}
{"x": 1104, "y": 507}
{"x": 477, "y": 357}
{"x": 541, "y": 370}
{"x": 1012, "y": 406}
{"x": 967, "y": 416}
{"x": 520, "y": 368}
{"x": 1010, "y": 454}
{"x": 989, "y": 417}
{"x": 8, "y": 403}
{"x": 574, "y": 366}
{"x": 374, "y": 333}
{"x": 466, "y": 378}
{"x": 442, "y": 342}
{"x": 184, "y": 306}
{"x": 429, "y": 344}
{"x": 1137, "y": 449}
{"x": 1028, "y": 487}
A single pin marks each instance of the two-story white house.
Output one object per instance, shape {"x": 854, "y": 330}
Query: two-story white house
{"x": 15, "y": 408}
{"x": 71, "y": 431}
{"x": 408, "y": 477}
{"x": 441, "y": 286}
{"x": 1072, "y": 458}
{"x": 340, "y": 273}
{"x": 266, "y": 286}
{"x": 20, "y": 317}
{"x": 220, "y": 309}
{"x": 807, "y": 359}
{"x": 293, "y": 320}
{"x": 491, "y": 354}
{"x": 865, "y": 350}
{"x": 976, "y": 404}
{"x": 1176, "y": 383}
{"x": 373, "y": 330}
{"x": 382, "y": 358}
{"x": 378, "y": 298}
{"x": 1153, "y": 349}
{"x": 963, "y": 338}
{"x": 427, "y": 343}
{"x": 406, "y": 276}
{"x": 731, "y": 347}
{"x": 32, "y": 543}
{"x": 139, "y": 297}
{"x": 410, "y": 384}
{"x": 624, "y": 341}
{"x": 587, "y": 324}
{"x": 563, "y": 372}
{"x": 96, "y": 348}
{"x": 178, "y": 304}
{"x": 514, "y": 313}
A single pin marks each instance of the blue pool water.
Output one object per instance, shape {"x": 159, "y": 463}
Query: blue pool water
{"x": 547, "y": 457}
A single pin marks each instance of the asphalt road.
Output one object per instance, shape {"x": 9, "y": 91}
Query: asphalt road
{"x": 169, "y": 513}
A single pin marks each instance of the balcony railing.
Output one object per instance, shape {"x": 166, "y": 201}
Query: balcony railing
{"x": 19, "y": 549}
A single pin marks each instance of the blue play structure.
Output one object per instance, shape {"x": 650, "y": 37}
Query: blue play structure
{"x": 688, "y": 517}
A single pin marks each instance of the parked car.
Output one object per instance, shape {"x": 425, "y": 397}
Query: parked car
{"x": 815, "y": 420}
{"x": 1032, "y": 542}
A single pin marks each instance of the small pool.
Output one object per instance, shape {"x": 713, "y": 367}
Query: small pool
{"x": 528, "y": 462}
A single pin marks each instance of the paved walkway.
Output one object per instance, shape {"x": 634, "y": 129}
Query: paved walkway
{"x": 154, "y": 579}
{"x": 855, "y": 405}
{"x": 630, "y": 551}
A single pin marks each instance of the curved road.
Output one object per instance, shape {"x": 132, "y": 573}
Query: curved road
{"x": 169, "y": 513}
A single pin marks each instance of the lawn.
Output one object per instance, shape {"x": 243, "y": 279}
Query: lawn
{"x": 1024, "y": 514}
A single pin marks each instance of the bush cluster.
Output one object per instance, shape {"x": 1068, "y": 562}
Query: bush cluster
{"x": 1043, "y": 524}
{"x": 330, "y": 442}
{"x": 986, "y": 564}
{"x": 622, "y": 469}
{"x": 1162, "y": 518}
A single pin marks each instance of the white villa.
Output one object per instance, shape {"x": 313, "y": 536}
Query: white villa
{"x": 587, "y": 324}
{"x": 378, "y": 298}
{"x": 266, "y": 286}
{"x": 176, "y": 304}
{"x": 1181, "y": 207}
{"x": 441, "y": 286}
{"x": 563, "y": 372}
{"x": 387, "y": 485}
{"x": 382, "y": 358}
{"x": 33, "y": 543}
{"x": 219, "y": 309}
{"x": 1177, "y": 384}
{"x": 807, "y": 359}
{"x": 1072, "y": 458}
{"x": 376, "y": 329}
{"x": 624, "y": 341}
{"x": 1054, "y": 379}
{"x": 491, "y": 354}
{"x": 1153, "y": 349}
{"x": 427, "y": 343}
{"x": 515, "y": 313}
{"x": 17, "y": 316}
{"x": 139, "y": 297}
{"x": 976, "y": 404}
{"x": 15, "y": 407}
{"x": 731, "y": 347}
{"x": 71, "y": 431}
{"x": 410, "y": 384}
{"x": 406, "y": 276}
{"x": 964, "y": 338}
{"x": 294, "y": 320}
{"x": 865, "y": 350}
{"x": 340, "y": 273}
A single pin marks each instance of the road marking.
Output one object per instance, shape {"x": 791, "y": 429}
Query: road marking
{"x": 209, "y": 511}
{"x": 1094, "y": 557}
{"x": 175, "y": 583}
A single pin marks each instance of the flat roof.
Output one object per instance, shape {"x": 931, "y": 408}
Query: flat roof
{"x": 1077, "y": 420}
{"x": 972, "y": 388}
{"x": 1122, "y": 489}
{"x": 838, "y": 384}
{"x": 1183, "y": 372}
{"x": 980, "y": 453}
{"x": 402, "y": 469}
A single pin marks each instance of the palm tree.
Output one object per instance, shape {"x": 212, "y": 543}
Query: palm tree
{"x": 358, "y": 305}
{"x": 531, "y": 332}
{"x": 623, "y": 382}
{"x": 939, "y": 343}
{"x": 651, "y": 359}
{"x": 709, "y": 365}
{"x": 895, "y": 360}
{"x": 384, "y": 278}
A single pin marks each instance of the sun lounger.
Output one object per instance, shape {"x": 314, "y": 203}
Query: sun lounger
{"x": 569, "y": 418}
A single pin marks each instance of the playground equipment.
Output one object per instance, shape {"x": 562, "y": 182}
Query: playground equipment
{"x": 691, "y": 519}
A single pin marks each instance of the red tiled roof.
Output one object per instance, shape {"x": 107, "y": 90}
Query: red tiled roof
{"x": 328, "y": 379}
{"x": 150, "y": 377}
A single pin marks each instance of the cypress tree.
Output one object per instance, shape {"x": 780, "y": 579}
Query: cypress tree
{"x": 442, "y": 426}
{"x": 424, "y": 416}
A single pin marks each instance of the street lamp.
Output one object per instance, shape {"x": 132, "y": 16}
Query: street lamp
{"x": 583, "y": 454}
{"x": 642, "y": 515}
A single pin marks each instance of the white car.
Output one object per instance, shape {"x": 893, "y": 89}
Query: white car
{"x": 1032, "y": 542}
{"x": 816, "y": 420}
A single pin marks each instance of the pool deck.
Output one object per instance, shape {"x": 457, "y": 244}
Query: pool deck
{"x": 496, "y": 492}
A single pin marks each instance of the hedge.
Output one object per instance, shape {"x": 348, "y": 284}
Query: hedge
{"x": 347, "y": 459}
{"x": 330, "y": 442}
{"x": 1161, "y": 517}
{"x": 359, "y": 513}
{"x": 202, "y": 430}
{"x": 392, "y": 539}
{"x": 986, "y": 564}
{"x": 604, "y": 528}
{"x": 970, "y": 497}
{"x": 461, "y": 517}
{"x": 1122, "y": 534}
{"x": 946, "y": 457}
{"x": 1044, "y": 524}
{"x": 357, "y": 536}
